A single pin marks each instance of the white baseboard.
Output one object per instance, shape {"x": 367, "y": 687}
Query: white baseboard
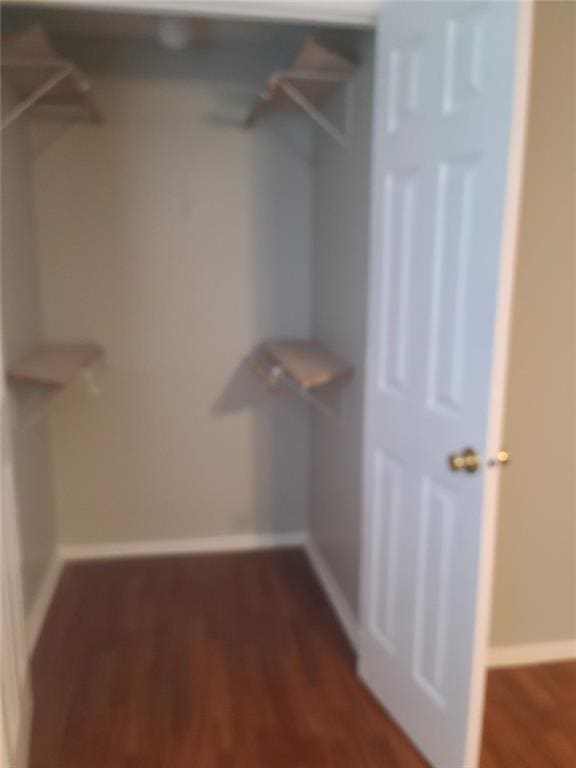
{"x": 22, "y": 749}
{"x": 37, "y": 614}
{"x": 234, "y": 543}
{"x": 536, "y": 653}
{"x": 335, "y": 595}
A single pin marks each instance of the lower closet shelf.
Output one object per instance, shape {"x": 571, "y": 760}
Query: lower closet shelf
{"x": 308, "y": 362}
{"x": 304, "y": 365}
{"x": 55, "y": 365}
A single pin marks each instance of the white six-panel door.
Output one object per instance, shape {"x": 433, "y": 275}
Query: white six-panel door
{"x": 446, "y": 82}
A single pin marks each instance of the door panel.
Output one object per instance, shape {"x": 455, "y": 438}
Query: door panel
{"x": 445, "y": 88}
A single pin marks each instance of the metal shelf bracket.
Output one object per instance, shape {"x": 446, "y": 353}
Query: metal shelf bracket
{"x": 288, "y": 80}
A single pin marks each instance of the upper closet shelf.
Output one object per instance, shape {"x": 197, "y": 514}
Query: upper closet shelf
{"x": 302, "y": 364}
{"x": 55, "y": 365}
{"x": 45, "y": 85}
{"x": 315, "y": 76}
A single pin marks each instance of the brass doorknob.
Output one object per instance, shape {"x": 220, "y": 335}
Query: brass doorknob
{"x": 466, "y": 461}
{"x": 502, "y": 458}
{"x": 470, "y": 461}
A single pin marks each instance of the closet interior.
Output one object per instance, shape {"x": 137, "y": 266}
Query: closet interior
{"x": 186, "y": 211}
{"x": 184, "y": 284}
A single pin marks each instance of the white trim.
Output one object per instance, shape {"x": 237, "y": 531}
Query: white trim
{"x": 235, "y": 543}
{"x": 355, "y": 13}
{"x": 22, "y": 752}
{"x": 502, "y": 333}
{"x": 333, "y": 592}
{"x": 39, "y": 609}
{"x": 536, "y": 653}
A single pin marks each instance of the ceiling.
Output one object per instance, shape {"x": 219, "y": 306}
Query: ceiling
{"x": 353, "y": 13}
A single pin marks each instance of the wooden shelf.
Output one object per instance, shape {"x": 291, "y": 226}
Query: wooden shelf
{"x": 308, "y": 363}
{"x": 55, "y": 365}
{"x": 315, "y": 76}
{"x": 47, "y": 87}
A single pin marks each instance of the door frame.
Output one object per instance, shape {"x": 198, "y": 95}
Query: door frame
{"x": 501, "y": 358}
{"x": 499, "y": 374}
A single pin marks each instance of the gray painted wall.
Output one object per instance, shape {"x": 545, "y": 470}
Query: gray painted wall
{"x": 341, "y": 245}
{"x": 21, "y": 330}
{"x": 178, "y": 240}
{"x": 535, "y": 578}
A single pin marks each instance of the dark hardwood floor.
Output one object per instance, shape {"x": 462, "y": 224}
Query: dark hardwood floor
{"x": 236, "y": 661}
{"x": 530, "y": 717}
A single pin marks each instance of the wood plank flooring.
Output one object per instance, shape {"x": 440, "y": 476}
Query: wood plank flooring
{"x": 235, "y": 661}
{"x": 530, "y": 717}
